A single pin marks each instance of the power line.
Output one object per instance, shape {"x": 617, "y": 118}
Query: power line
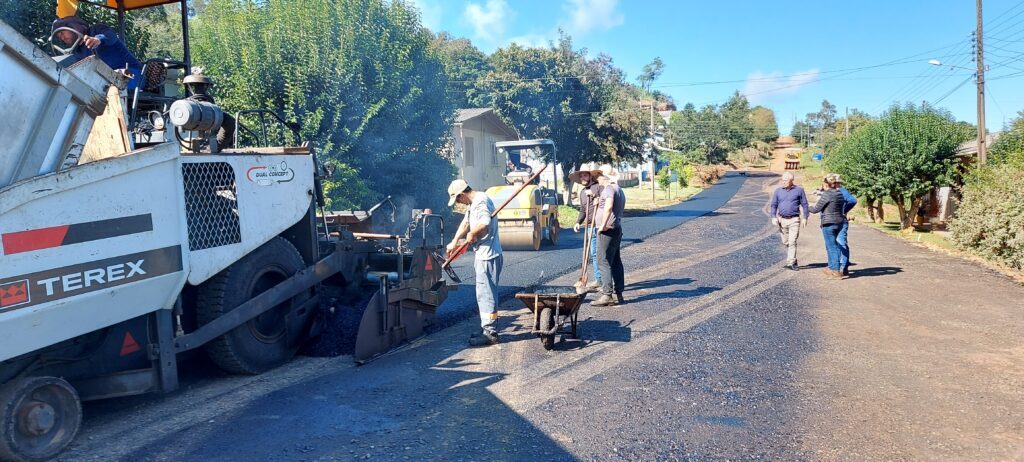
{"x": 950, "y": 92}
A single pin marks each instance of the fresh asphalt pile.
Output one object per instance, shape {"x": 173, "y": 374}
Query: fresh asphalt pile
{"x": 340, "y": 324}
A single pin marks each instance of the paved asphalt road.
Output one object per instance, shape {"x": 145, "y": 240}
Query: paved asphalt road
{"x": 719, "y": 354}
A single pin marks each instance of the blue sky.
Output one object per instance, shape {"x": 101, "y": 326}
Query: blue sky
{"x": 787, "y": 55}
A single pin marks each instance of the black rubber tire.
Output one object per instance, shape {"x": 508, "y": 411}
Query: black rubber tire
{"x": 553, "y": 230}
{"x": 60, "y": 397}
{"x": 547, "y": 321}
{"x": 262, "y": 343}
{"x": 538, "y": 234}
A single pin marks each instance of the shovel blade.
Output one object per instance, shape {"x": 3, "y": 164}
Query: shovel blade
{"x": 386, "y": 326}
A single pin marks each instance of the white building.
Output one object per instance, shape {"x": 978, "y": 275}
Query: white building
{"x": 475, "y": 132}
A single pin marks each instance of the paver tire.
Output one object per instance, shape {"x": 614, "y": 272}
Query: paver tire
{"x": 262, "y": 343}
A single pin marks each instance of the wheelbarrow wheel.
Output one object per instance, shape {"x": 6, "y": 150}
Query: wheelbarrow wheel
{"x": 547, "y": 322}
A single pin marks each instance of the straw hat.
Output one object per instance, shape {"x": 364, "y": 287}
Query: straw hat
{"x": 575, "y": 176}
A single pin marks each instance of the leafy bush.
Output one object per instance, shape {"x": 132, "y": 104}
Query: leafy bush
{"x": 664, "y": 177}
{"x": 990, "y": 218}
{"x": 686, "y": 174}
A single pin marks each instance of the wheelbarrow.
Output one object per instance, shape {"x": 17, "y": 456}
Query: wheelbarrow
{"x": 553, "y": 307}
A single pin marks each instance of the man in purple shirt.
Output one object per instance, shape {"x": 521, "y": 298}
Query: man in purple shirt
{"x": 788, "y": 201}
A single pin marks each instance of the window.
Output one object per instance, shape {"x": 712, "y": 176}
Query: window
{"x": 469, "y": 151}
{"x": 494, "y": 156}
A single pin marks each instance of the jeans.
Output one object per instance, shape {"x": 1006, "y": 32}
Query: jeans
{"x": 610, "y": 261}
{"x": 593, "y": 256}
{"x": 488, "y": 272}
{"x": 844, "y": 246}
{"x": 830, "y": 232}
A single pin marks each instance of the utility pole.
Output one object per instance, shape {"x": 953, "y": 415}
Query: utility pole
{"x": 982, "y": 148}
{"x": 653, "y": 198}
{"x": 847, "y": 121}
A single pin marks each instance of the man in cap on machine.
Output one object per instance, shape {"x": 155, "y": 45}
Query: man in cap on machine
{"x": 480, "y": 229}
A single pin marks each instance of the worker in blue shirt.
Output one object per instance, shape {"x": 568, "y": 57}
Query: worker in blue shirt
{"x": 99, "y": 40}
{"x": 841, "y": 239}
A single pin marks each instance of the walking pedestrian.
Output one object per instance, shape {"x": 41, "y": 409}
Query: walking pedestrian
{"x": 832, "y": 207}
{"x": 609, "y": 240}
{"x": 588, "y": 198}
{"x": 843, "y": 238}
{"x": 481, "y": 231}
{"x": 788, "y": 201}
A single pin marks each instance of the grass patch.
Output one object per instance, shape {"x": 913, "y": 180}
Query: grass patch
{"x": 928, "y": 238}
{"x": 638, "y": 201}
{"x": 567, "y": 216}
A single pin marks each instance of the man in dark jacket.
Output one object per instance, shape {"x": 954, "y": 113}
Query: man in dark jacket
{"x": 588, "y": 199}
{"x": 99, "y": 40}
{"x": 832, "y": 207}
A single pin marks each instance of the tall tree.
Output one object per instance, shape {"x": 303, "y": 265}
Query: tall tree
{"x": 464, "y": 64}
{"x": 650, "y": 73}
{"x": 357, "y": 76}
{"x": 558, "y": 93}
{"x": 904, "y": 155}
{"x": 765, "y": 127}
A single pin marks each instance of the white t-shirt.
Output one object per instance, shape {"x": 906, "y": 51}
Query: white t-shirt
{"x": 487, "y": 247}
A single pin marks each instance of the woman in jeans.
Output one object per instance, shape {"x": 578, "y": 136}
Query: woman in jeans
{"x": 832, "y": 206}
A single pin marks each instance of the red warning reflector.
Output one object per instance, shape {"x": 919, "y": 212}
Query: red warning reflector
{"x": 430, "y": 263}
{"x": 129, "y": 345}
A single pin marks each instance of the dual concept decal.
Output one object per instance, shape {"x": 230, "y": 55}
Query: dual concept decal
{"x": 46, "y": 286}
{"x": 268, "y": 175}
{"x": 56, "y": 236}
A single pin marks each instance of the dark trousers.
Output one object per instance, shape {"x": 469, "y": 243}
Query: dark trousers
{"x": 609, "y": 259}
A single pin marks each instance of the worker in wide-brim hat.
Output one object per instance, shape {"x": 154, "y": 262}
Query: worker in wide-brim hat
{"x": 612, "y": 202}
{"x": 480, "y": 229}
{"x": 588, "y": 217}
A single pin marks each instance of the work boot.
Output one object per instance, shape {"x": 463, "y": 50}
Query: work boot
{"x": 484, "y": 338}
{"x": 619, "y": 299}
{"x": 605, "y": 300}
{"x": 846, "y": 271}
{"x": 791, "y": 267}
{"x": 593, "y": 286}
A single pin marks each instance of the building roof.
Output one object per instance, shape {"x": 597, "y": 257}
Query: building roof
{"x": 488, "y": 114}
{"x": 970, "y": 148}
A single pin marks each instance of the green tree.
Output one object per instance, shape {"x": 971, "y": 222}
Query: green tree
{"x": 905, "y": 154}
{"x": 763, "y": 121}
{"x": 582, "y": 104}
{"x": 651, "y": 71}
{"x": 464, "y": 64}
{"x": 1009, "y": 148}
{"x": 357, "y": 76}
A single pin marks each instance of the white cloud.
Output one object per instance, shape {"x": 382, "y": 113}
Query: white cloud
{"x": 490, "y": 20}
{"x": 430, "y": 13}
{"x": 591, "y": 15}
{"x": 761, "y": 86}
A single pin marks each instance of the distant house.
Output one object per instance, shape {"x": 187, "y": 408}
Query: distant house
{"x": 475, "y": 132}
{"x": 940, "y": 204}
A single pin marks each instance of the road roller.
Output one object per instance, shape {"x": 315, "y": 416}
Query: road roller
{"x": 531, "y": 218}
